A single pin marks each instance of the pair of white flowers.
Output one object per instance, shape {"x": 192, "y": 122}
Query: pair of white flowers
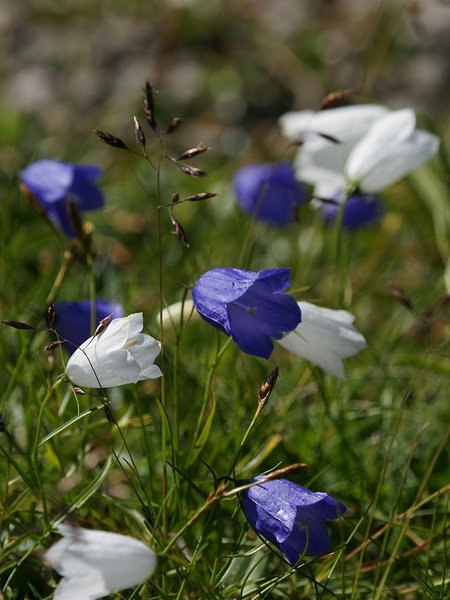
{"x": 365, "y": 146}
{"x": 96, "y": 563}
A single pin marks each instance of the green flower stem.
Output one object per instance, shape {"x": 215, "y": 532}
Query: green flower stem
{"x": 92, "y": 292}
{"x": 35, "y": 452}
{"x": 340, "y": 248}
{"x": 209, "y": 378}
{"x": 63, "y": 270}
{"x": 212, "y": 499}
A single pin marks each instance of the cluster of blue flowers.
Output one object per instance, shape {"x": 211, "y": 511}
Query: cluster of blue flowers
{"x": 272, "y": 194}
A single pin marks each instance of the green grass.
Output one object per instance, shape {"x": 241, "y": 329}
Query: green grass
{"x": 377, "y": 441}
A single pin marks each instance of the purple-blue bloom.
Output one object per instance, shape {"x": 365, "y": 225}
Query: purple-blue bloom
{"x": 270, "y": 192}
{"x": 359, "y": 210}
{"x": 52, "y": 182}
{"x": 291, "y": 516}
{"x": 73, "y": 320}
{"x": 250, "y": 307}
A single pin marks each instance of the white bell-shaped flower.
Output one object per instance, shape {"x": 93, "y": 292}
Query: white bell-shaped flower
{"x": 324, "y": 337}
{"x": 96, "y": 563}
{"x": 120, "y": 354}
{"x": 391, "y": 149}
{"x": 321, "y": 161}
{"x": 372, "y": 147}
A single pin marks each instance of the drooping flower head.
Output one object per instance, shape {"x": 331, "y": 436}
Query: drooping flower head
{"x": 359, "y": 210}
{"x": 73, "y": 320}
{"x": 291, "y": 516}
{"x": 53, "y": 182}
{"x": 250, "y": 307}
{"x": 324, "y": 337}
{"x": 269, "y": 192}
{"x": 96, "y": 563}
{"x": 118, "y": 355}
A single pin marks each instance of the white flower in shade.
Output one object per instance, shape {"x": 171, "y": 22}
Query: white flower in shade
{"x": 120, "y": 354}
{"x": 369, "y": 147}
{"x": 96, "y": 563}
{"x": 174, "y": 314}
{"x": 324, "y": 337}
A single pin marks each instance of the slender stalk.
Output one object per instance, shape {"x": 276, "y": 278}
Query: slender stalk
{"x": 35, "y": 452}
{"x": 92, "y": 292}
{"x": 212, "y": 369}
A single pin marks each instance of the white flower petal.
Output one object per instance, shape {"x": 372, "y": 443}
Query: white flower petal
{"x": 325, "y": 337}
{"x": 295, "y": 124}
{"x": 346, "y": 123}
{"x": 96, "y": 563}
{"x": 171, "y": 316}
{"x": 135, "y": 324}
{"x": 386, "y": 133}
{"x": 119, "y": 355}
{"x": 320, "y": 162}
{"x": 401, "y": 160}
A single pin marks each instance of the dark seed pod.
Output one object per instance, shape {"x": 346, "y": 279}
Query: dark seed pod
{"x": 16, "y": 324}
{"x": 79, "y": 391}
{"x": 174, "y": 124}
{"x": 179, "y": 232}
{"x": 52, "y": 346}
{"x": 199, "y": 197}
{"x": 103, "y": 325}
{"x": 192, "y": 171}
{"x": 139, "y": 132}
{"x": 193, "y": 152}
{"x": 175, "y": 199}
{"x": 266, "y": 388}
{"x": 336, "y": 99}
{"x": 149, "y": 106}
{"x": 110, "y": 139}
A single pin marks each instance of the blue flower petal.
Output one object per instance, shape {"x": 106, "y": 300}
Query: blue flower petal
{"x": 270, "y": 192}
{"x": 250, "y": 307}
{"x": 274, "y": 280}
{"x": 73, "y": 320}
{"x": 359, "y": 210}
{"x": 53, "y": 182}
{"x": 309, "y": 538}
{"x": 48, "y": 180}
{"x": 86, "y": 192}
{"x": 291, "y": 516}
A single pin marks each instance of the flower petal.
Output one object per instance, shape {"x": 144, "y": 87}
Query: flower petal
{"x": 324, "y": 337}
{"x": 115, "y": 356}
{"x": 73, "y": 319}
{"x": 269, "y": 192}
{"x": 401, "y": 160}
{"x": 384, "y": 135}
{"x": 346, "y": 123}
{"x": 98, "y": 562}
{"x": 48, "y": 180}
{"x": 215, "y": 288}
